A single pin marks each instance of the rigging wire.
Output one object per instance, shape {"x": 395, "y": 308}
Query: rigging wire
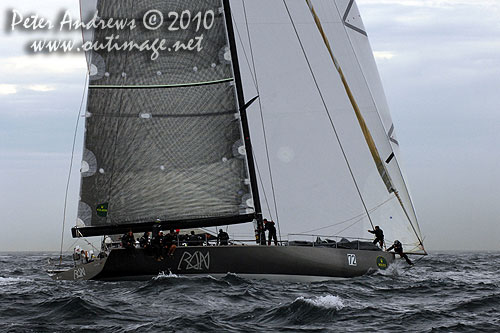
{"x": 74, "y": 143}
{"x": 71, "y": 163}
{"x": 350, "y": 225}
{"x": 245, "y": 53}
{"x": 328, "y": 113}
{"x": 262, "y": 121}
{"x": 362, "y": 215}
{"x": 264, "y": 191}
{"x": 85, "y": 239}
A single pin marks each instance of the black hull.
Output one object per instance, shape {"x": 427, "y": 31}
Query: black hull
{"x": 274, "y": 262}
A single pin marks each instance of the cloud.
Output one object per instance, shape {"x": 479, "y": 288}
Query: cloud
{"x": 41, "y": 87}
{"x": 383, "y": 55}
{"x": 11, "y": 89}
{"x": 8, "y": 89}
{"x": 432, "y": 3}
{"x": 49, "y": 65}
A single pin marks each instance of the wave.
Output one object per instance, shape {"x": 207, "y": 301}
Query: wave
{"x": 326, "y": 302}
{"x": 72, "y": 307}
{"x": 186, "y": 283}
{"x": 303, "y": 310}
{"x": 5, "y": 281}
{"x": 162, "y": 275}
{"x": 440, "y": 293}
{"x": 482, "y": 303}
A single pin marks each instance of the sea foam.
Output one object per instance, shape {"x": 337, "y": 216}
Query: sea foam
{"x": 162, "y": 275}
{"x": 327, "y": 302}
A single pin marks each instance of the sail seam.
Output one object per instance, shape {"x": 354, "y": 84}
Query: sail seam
{"x": 111, "y": 115}
{"x": 158, "y": 86}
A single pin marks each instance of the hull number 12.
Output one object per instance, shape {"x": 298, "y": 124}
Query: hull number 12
{"x": 351, "y": 259}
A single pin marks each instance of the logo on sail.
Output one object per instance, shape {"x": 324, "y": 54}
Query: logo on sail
{"x": 381, "y": 263}
{"x": 194, "y": 261}
{"x": 102, "y": 210}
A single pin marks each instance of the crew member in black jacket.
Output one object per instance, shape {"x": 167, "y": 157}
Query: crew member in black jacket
{"x": 157, "y": 244}
{"x": 128, "y": 240}
{"x": 170, "y": 242}
{"x": 222, "y": 238}
{"x": 269, "y": 226}
{"x": 398, "y": 248}
{"x": 379, "y": 236}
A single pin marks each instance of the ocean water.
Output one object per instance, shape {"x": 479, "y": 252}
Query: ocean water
{"x": 444, "y": 292}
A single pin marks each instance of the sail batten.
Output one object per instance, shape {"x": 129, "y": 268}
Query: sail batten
{"x": 159, "y": 86}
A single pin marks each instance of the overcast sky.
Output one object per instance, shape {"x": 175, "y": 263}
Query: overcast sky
{"x": 440, "y": 64}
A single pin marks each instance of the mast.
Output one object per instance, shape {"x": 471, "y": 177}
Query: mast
{"x": 243, "y": 115}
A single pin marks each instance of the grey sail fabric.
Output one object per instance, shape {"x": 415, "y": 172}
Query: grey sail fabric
{"x": 163, "y": 137}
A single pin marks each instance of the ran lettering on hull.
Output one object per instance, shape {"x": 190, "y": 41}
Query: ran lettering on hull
{"x": 79, "y": 273}
{"x": 197, "y": 261}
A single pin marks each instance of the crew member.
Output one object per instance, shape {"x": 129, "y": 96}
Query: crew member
{"x": 262, "y": 234}
{"x": 169, "y": 242}
{"x": 91, "y": 257}
{"x": 84, "y": 257}
{"x": 194, "y": 240}
{"x": 157, "y": 244}
{"x": 222, "y": 238}
{"x": 379, "y": 236}
{"x": 398, "y": 248}
{"x": 144, "y": 242}
{"x": 106, "y": 245}
{"x": 76, "y": 255}
{"x": 269, "y": 226}
{"x": 128, "y": 240}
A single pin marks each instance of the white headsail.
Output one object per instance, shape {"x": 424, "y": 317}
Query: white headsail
{"x": 324, "y": 166}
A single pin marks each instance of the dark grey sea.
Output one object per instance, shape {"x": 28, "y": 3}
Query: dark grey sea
{"x": 444, "y": 292}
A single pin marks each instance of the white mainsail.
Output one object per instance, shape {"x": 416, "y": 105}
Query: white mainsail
{"x": 319, "y": 156}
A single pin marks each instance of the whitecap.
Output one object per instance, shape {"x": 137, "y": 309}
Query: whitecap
{"x": 327, "y": 301}
{"x": 5, "y": 281}
{"x": 162, "y": 275}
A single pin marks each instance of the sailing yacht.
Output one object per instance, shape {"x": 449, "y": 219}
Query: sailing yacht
{"x": 253, "y": 108}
